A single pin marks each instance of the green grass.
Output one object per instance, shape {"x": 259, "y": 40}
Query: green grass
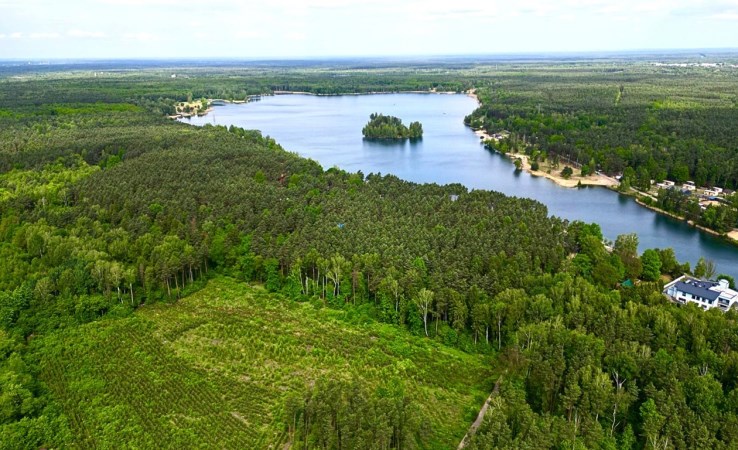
{"x": 213, "y": 370}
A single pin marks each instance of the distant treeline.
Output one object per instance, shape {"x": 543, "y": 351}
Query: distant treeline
{"x": 104, "y": 208}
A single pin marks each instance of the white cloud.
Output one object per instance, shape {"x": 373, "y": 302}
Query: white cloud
{"x": 44, "y": 35}
{"x": 141, "y": 36}
{"x": 2, "y": 35}
{"x": 16, "y": 35}
{"x": 85, "y": 34}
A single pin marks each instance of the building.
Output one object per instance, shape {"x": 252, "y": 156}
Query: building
{"x": 705, "y": 294}
{"x": 689, "y": 186}
{"x": 710, "y": 193}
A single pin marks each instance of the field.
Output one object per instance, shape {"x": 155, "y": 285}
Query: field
{"x": 214, "y": 370}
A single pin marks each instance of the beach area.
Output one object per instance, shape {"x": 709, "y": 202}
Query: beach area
{"x": 545, "y": 170}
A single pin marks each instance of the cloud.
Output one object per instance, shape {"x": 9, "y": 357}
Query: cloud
{"x": 141, "y": 36}
{"x": 44, "y": 35}
{"x": 82, "y": 34}
{"x": 2, "y": 35}
{"x": 16, "y": 35}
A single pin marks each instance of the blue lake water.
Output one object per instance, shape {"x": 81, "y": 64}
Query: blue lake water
{"x": 328, "y": 130}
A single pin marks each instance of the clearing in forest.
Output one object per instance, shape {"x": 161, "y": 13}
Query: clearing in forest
{"x": 214, "y": 370}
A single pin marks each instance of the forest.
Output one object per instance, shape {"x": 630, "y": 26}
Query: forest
{"x": 645, "y": 123}
{"x": 125, "y": 236}
{"x": 389, "y": 127}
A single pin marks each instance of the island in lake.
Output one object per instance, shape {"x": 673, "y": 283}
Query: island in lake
{"x": 389, "y": 127}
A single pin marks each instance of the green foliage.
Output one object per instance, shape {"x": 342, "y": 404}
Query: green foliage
{"x": 567, "y": 172}
{"x": 108, "y": 209}
{"x": 651, "y": 263}
{"x": 389, "y": 127}
{"x": 281, "y": 366}
{"x": 667, "y": 123}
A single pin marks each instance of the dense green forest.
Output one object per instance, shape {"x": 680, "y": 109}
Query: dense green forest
{"x": 389, "y": 127}
{"x": 645, "y": 122}
{"x": 127, "y": 242}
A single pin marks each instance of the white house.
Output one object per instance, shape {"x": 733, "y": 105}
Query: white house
{"x": 711, "y": 192}
{"x": 705, "y": 294}
{"x": 668, "y": 183}
{"x": 689, "y": 186}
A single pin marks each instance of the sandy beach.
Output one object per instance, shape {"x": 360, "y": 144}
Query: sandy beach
{"x": 733, "y": 234}
{"x": 571, "y": 182}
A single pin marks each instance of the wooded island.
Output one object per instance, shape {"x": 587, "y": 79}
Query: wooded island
{"x": 389, "y": 127}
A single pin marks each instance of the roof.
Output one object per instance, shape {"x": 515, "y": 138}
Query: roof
{"x": 698, "y": 288}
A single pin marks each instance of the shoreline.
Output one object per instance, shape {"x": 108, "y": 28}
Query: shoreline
{"x": 731, "y": 236}
{"x": 250, "y": 97}
{"x": 595, "y": 180}
{"x": 572, "y": 182}
{"x": 432, "y": 91}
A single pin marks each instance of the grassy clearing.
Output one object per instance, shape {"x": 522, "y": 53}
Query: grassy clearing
{"x": 214, "y": 369}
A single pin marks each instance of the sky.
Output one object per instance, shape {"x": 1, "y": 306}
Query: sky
{"x": 38, "y": 29}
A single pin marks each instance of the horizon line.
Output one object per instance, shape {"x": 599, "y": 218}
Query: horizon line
{"x": 542, "y": 53}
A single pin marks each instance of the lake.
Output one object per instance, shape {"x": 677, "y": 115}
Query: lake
{"x": 328, "y": 130}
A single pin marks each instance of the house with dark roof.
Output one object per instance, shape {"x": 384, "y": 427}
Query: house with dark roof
{"x": 705, "y": 294}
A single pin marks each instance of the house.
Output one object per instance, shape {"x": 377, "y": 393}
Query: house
{"x": 689, "y": 186}
{"x": 710, "y": 193}
{"x": 705, "y": 294}
{"x": 668, "y": 183}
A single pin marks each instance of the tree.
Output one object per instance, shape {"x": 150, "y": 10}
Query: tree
{"x": 653, "y": 422}
{"x": 567, "y": 172}
{"x": 423, "y": 300}
{"x": 626, "y": 248}
{"x": 651, "y": 263}
{"x": 705, "y": 269}
{"x": 669, "y": 263}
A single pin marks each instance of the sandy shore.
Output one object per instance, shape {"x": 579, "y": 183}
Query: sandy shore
{"x": 571, "y": 182}
{"x": 473, "y": 94}
{"x": 733, "y": 234}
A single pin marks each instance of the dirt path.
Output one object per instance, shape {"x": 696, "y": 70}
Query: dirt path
{"x": 480, "y": 417}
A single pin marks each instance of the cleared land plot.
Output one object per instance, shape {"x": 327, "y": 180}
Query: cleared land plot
{"x": 213, "y": 370}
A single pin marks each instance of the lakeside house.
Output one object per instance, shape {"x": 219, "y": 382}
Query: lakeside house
{"x": 714, "y": 192}
{"x": 705, "y": 294}
{"x": 666, "y": 184}
{"x": 689, "y": 186}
